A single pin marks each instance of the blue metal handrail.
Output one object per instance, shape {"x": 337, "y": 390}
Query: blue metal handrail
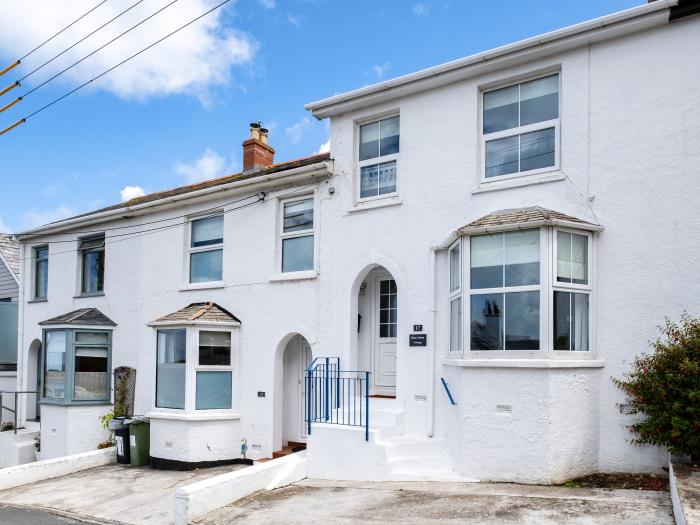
{"x": 336, "y": 396}
{"x": 447, "y": 390}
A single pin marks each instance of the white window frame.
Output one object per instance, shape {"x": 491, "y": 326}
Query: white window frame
{"x": 81, "y": 266}
{"x": 192, "y": 367}
{"x": 519, "y": 130}
{"x": 197, "y": 249}
{"x": 453, "y": 295}
{"x": 548, "y": 285}
{"x": 586, "y": 289}
{"x": 282, "y": 235}
{"x": 375, "y": 160}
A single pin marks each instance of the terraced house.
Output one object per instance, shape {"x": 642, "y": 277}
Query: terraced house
{"x": 446, "y": 295}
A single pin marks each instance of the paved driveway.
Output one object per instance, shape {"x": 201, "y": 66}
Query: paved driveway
{"x": 109, "y": 494}
{"x": 313, "y": 501}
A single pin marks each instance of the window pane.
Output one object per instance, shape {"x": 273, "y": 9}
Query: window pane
{"x": 215, "y": 348}
{"x": 389, "y": 129}
{"x": 388, "y": 311}
{"x": 206, "y": 266}
{"x": 537, "y": 149}
{"x": 55, "y": 365}
{"x": 487, "y": 322}
{"x": 93, "y": 271}
{"x": 387, "y": 177}
{"x": 522, "y": 258}
{"x": 539, "y": 100}
{"x": 455, "y": 269}
{"x": 95, "y": 338}
{"x": 487, "y": 261}
{"x": 298, "y": 254}
{"x": 41, "y": 282}
{"x": 208, "y": 231}
{"x": 572, "y": 258}
{"x": 571, "y": 321}
{"x": 502, "y": 156}
{"x": 501, "y": 109}
{"x": 171, "y": 368}
{"x": 91, "y": 373}
{"x": 523, "y": 321}
{"x": 456, "y": 325}
{"x": 93, "y": 243}
{"x": 299, "y": 215}
{"x": 369, "y": 181}
{"x": 369, "y": 141}
{"x": 213, "y": 390}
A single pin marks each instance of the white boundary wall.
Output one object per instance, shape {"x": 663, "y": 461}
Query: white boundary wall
{"x": 196, "y": 500}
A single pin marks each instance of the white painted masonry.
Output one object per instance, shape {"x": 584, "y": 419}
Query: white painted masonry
{"x": 629, "y": 127}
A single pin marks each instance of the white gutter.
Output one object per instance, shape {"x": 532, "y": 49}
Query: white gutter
{"x": 632, "y": 20}
{"x": 263, "y": 182}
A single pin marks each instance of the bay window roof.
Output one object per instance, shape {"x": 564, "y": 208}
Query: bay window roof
{"x": 82, "y": 317}
{"x": 520, "y": 218}
{"x": 194, "y": 313}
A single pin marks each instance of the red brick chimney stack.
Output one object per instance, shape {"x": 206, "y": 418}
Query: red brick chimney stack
{"x": 257, "y": 153}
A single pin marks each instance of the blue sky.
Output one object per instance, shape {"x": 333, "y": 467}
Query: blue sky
{"x": 179, "y": 113}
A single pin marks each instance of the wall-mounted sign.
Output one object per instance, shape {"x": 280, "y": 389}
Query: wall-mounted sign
{"x": 417, "y": 327}
{"x": 417, "y": 339}
{"x": 261, "y": 394}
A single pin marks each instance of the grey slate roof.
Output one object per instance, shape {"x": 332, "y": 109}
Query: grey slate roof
{"x": 9, "y": 248}
{"x": 84, "y": 316}
{"x": 533, "y": 215}
{"x": 200, "y": 312}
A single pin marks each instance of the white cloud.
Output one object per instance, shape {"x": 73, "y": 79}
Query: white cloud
{"x": 191, "y": 62}
{"x": 296, "y": 131}
{"x": 34, "y": 218}
{"x": 209, "y": 166}
{"x": 325, "y": 147}
{"x": 131, "y": 192}
{"x": 421, "y": 9}
{"x": 380, "y": 70}
{"x": 294, "y": 20}
{"x": 268, "y": 4}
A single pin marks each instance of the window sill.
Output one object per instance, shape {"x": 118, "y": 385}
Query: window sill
{"x": 202, "y": 286}
{"x": 87, "y": 295}
{"x": 525, "y": 363}
{"x": 294, "y": 276}
{"x": 182, "y": 416}
{"x": 32, "y": 301}
{"x": 74, "y": 404}
{"x": 385, "y": 202}
{"x": 518, "y": 182}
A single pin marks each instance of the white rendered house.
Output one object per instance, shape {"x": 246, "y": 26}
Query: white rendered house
{"x": 444, "y": 296}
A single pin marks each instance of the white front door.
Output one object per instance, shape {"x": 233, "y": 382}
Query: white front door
{"x": 384, "y": 344}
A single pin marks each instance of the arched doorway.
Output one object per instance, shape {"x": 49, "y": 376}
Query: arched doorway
{"x": 295, "y": 357}
{"x": 33, "y": 380}
{"x": 377, "y": 329}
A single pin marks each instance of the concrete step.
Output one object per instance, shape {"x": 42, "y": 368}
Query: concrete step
{"x": 401, "y": 446}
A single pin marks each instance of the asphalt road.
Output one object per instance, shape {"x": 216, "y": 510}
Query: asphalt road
{"x": 19, "y": 516}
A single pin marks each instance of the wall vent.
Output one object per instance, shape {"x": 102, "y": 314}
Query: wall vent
{"x": 504, "y": 409}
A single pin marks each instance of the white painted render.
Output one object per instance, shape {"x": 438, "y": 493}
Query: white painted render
{"x": 629, "y": 128}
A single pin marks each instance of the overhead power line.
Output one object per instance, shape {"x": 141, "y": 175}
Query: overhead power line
{"x": 23, "y": 120}
{"x": 19, "y": 61}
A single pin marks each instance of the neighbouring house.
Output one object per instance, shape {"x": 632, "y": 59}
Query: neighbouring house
{"x": 445, "y": 295}
{"x": 9, "y": 295}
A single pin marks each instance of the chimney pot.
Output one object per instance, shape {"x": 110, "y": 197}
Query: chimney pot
{"x": 257, "y": 153}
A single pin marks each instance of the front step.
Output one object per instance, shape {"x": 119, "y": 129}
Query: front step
{"x": 291, "y": 448}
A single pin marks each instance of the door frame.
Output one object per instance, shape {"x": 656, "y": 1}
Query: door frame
{"x": 374, "y": 339}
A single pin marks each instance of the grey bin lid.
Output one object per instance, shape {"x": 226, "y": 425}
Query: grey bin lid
{"x": 137, "y": 419}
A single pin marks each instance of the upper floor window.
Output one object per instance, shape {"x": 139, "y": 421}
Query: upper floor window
{"x": 521, "y": 128}
{"x": 378, "y": 157}
{"x": 92, "y": 252}
{"x": 41, "y": 272}
{"x": 297, "y": 235}
{"x": 76, "y": 365}
{"x": 206, "y": 252}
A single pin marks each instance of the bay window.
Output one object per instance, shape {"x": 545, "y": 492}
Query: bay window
{"x": 520, "y": 127}
{"x": 522, "y": 293}
{"x": 206, "y": 249}
{"x": 76, "y": 366}
{"x": 378, "y": 157}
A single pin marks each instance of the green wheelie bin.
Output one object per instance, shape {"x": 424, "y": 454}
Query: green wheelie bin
{"x": 139, "y": 441}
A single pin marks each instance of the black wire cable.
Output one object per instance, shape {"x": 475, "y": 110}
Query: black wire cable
{"x": 125, "y": 60}
{"x": 79, "y": 41}
{"x": 62, "y": 30}
{"x": 96, "y": 50}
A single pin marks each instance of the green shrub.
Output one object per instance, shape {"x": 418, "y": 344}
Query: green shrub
{"x": 664, "y": 387}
